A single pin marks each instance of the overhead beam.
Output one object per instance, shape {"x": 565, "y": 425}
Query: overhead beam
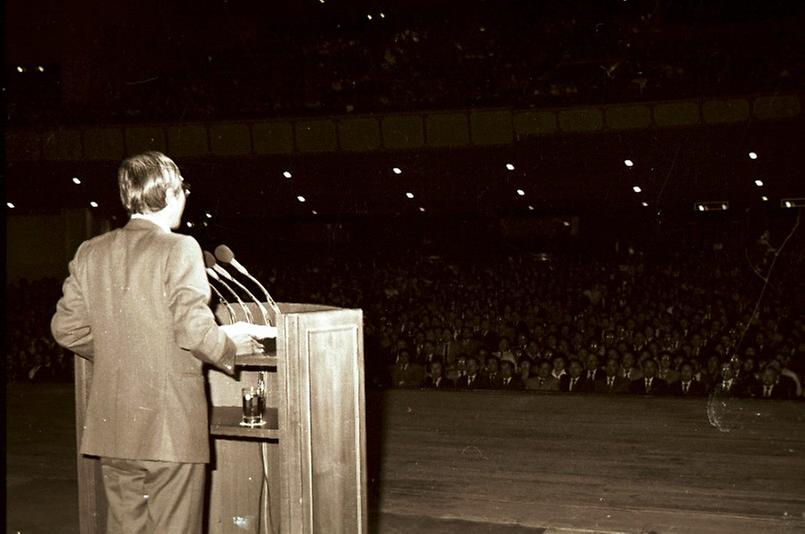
{"x": 367, "y": 133}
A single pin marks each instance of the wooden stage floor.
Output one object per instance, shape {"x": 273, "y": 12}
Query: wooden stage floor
{"x": 612, "y": 464}
{"x": 510, "y": 463}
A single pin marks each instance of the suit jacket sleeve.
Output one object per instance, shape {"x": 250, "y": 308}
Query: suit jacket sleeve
{"x": 70, "y": 324}
{"x": 188, "y": 293}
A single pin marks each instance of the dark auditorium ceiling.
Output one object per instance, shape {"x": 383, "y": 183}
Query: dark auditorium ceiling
{"x": 112, "y": 63}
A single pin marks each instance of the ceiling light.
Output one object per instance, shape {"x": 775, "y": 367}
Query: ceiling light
{"x": 531, "y": 208}
{"x": 521, "y": 192}
{"x": 369, "y": 17}
{"x": 93, "y": 204}
{"x": 300, "y": 198}
{"x": 759, "y": 183}
{"x": 189, "y": 224}
{"x": 20, "y": 69}
{"x": 566, "y": 223}
{"x": 76, "y": 180}
{"x": 764, "y": 198}
{"x": 208, "y": 215}
{"x": 637, "y": 189}
{"x": 421, "y": 208}
{"x": 396, "y": 170}
{"x": 287, "y": 174}
{"x": 644, "y": 204}
{"x": 753, "y": 155}
{"x": 510, "y": 166}
{"x": 409, "y": 195}
{"x": 314, "y": 212}
{"x": 40, "y": 68}
{"x": 10, "y": 205}
{"x": 716, "y": 205}
{"x": 628, "y": 163}
{"x": 382, "y": 16}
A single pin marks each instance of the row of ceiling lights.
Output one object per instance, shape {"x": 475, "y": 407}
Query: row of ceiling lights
{"x": 22, "y": 69}
{"x": 397, "y": 170}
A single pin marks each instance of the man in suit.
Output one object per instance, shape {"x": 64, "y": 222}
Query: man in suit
{"x": 508, "y": 379}
{"x": 135, "y": 304}
{"x": 666, "y": 371}
{"x": 428, "y": 354}
{"x": 650, "y": 384}
{"x": 592, "y": 372}
{"x": 575, "y": 381}
{"x": 687, "y": 385}
{"x": 727, "y": 387}
{"x": 612, "y": 382}
{"x": 493, "y": 376}
{"x": 405, "y": 374}
{"x": 437, "y": 380}
{"x": 473, "y": 379}
{"x": 543, "y": 380}
{"x": 628, "y": 370}
{"x": 770, "y": 386}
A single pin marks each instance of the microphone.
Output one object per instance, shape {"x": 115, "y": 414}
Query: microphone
{"x": 225, "y": 303}
{"x": 209, "y": 261}
{"x": 225, "y": 255}
{"x": 223, "y": 272}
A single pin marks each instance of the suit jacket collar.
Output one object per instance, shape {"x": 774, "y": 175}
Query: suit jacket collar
{"x": 141, "y": 223}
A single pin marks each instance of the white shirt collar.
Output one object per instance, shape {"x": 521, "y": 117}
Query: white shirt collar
{"x": 151, "y": 219}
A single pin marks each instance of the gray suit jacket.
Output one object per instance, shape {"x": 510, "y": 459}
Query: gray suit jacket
{"x": 135, "y": 303}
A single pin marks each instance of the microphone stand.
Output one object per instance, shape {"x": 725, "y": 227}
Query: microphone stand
{"x": 225, "y": 303}
{"x": 246, "y": 312}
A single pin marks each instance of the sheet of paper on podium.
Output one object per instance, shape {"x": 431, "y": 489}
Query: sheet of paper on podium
{"x": 258, "y": 331}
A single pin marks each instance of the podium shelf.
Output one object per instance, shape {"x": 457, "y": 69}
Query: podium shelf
{"x": 257, "y": 360}
{"x": 225, "y": 421}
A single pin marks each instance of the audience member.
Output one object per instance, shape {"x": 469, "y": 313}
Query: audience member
{"x": 474, "y": 379}
{"x": 612, "y": 382}
{"x": 436, "y": 378}
{"x": 687, "y": 385}
{"x": 650, "y": 384}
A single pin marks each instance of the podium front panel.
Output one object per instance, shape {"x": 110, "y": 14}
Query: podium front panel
{"x": 325, "y": 361}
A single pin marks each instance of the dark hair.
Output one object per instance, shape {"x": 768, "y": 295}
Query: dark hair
{"x": 145, "y": 179}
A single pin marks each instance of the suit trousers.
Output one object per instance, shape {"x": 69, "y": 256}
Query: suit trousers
{"x": 147, "y": 496}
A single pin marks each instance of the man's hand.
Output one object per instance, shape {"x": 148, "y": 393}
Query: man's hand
{"x": 245, "y": 341}
{"x": 246, "y": 344}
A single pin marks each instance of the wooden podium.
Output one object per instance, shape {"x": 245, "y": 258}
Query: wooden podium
{"x": 312, "y": 451}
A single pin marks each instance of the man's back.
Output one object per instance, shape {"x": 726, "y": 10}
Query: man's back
{"x": 136, "y": 303}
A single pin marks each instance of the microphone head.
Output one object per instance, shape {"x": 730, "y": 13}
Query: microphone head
{"x": 224, "y": 254}
{"x": 209, "y": 260}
